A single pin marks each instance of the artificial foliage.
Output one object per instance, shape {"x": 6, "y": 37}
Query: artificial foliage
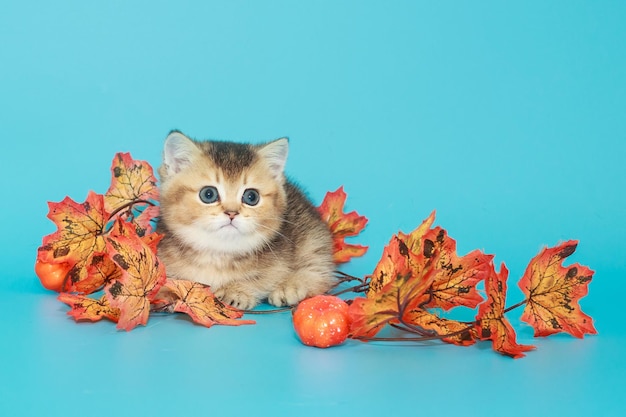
{"x": 107, "y": 249}
{"x": 103, "y": 261}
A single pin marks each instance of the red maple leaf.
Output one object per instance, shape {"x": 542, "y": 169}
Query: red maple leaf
{"x": 198, "y": 301}
{"x": 490, "y": 321}
{"x": 553, "y": 291}
{"x": 342, "y": 225}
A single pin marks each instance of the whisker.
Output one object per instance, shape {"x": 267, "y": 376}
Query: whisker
{"x": 277, "y": 218}
{"x": 268, "y": 244}
{"x": 277, "y": 232}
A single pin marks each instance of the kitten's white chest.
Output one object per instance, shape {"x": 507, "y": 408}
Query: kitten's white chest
{"x": 217, "y": 269}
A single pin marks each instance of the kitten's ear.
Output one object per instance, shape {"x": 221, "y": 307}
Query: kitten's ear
{"x": 275, "y": 153}
{"x": 178, "y": 153}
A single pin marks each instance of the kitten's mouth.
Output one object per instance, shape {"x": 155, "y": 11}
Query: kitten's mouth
{"x": 229, "y": 226}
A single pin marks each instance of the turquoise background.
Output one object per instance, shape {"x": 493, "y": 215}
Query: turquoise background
{"x": 508, "y": 118}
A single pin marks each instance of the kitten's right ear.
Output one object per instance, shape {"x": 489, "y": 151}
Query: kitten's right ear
{"x": 178, "y": 153}
{"x": 275, "y": 153}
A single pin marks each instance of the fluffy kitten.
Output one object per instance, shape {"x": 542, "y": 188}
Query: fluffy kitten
{"x": 232, "y": 220}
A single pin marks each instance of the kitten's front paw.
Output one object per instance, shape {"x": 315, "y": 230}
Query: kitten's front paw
{"x": 288, "y": 294}
{"x": 236, "y": 298}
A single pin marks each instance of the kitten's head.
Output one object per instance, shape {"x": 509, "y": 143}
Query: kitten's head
{"x": 222, "y": 196}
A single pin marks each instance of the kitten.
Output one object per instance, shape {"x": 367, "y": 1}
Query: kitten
{"x": 232, "y": 220}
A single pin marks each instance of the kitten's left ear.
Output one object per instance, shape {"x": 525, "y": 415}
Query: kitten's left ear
{"x": 275, "y": 153}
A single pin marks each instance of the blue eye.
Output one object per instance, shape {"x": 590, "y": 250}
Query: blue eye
{"x": 209, "y": 195}
{"x": 251, "y": 197}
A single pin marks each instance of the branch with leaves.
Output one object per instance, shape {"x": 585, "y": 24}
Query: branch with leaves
{"x": 108, "y": 245}
{"x": 420, "y": 274}
{"x": 103, "y": 260}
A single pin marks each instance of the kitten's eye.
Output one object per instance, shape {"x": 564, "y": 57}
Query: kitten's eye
{"x": 251, "y": 197}
{"x": 209, "y": 195}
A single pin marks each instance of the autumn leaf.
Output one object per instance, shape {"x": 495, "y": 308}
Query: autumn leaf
{"x": 397, "y": 289}
{"x": 456, "y": 277}
{"x": 397, "y": 260}
{"x": 455, "y": 332}
{"x": 342, "y": 225}
{"x": 79, "y": 236}
{"x": 369, "y": 315}
{"x": 197, "y": 300}
{"x": 142, "y": 275}
{"x": 490, "y": 321}
{"x": 415, "y": 239}
{"x": 401, "y": 256}
{"x": 89, "y": 309}
{"x": 553, "y": 292}
{"x": 145, "y": 220}
{"x": 406, "y": 282}
{"x": 343, "y": 252}
{"x": 101, "y": 271}
{"x": 132, "y": 230}
{"x": 131, "y": 181}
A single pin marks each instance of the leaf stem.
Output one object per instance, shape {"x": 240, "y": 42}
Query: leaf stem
{"x": 355, "y": 288}
{"x": 127, "y": 205}
{"x": 514, "y": 306}
{"x": 415, "y": 329}
{"x": 342, "y": 277}
{"x": 350, "y": 277}
{"x": 410, "y": 329}
{"x": 413, "y": 339}
{"x": 273, "y": 311}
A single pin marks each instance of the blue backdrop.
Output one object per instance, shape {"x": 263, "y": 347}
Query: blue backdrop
{"x": 507, "y": 118}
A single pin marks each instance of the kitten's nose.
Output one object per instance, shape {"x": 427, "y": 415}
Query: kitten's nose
{"x": 231, "y": 214}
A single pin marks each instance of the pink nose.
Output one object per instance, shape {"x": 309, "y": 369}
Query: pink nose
{"x": 231, "y": 214}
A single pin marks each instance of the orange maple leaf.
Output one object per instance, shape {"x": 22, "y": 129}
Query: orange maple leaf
{"x": 342, "y": 225}
{"x": 455, "y": 277}
{"x": 415, "y": 239}
{"x": 459, "y": 333}
{"x": 142, "y": 275}
{"x": 397, "y": 290}
{"x": 419, "y": 271}
{"x": 405, "y": 253}
{"x": 553, "y": 292}
{"x": 397, "y": 260}
{"x": 131, "y": 181}
{"x": 406, "y": 282}
{"x": 144, "y": 222}
{"x": 79, "y": 236}
{"x": 132, "y": 230}
{"x": 101, "y": 271}
{"x": 197, "y": 300}
{"x": 89, "y": 309}
{"x": 490, "y": 321}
